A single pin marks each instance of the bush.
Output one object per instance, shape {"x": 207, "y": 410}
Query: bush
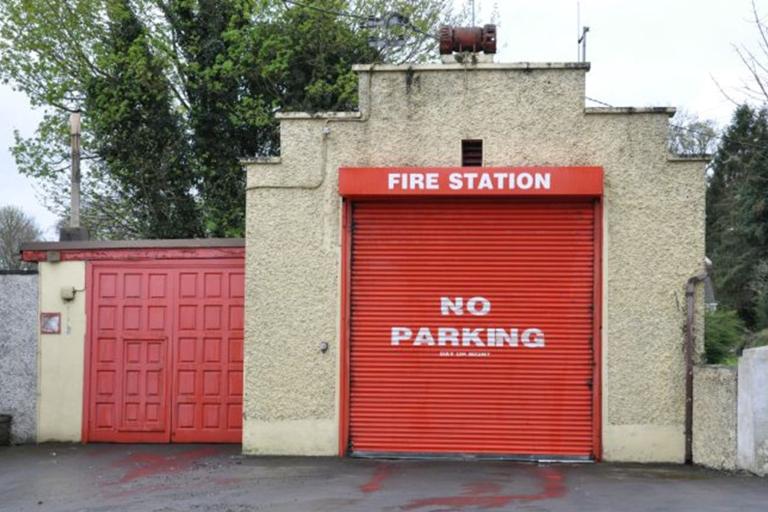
{"x": 724, "y": 335}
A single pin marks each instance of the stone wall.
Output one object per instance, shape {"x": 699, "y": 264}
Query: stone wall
{"x": 18, "y": 353}
{"x": 714, "y": 416}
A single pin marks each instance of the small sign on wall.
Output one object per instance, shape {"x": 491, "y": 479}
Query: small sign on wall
{"x": 50, "y": 323}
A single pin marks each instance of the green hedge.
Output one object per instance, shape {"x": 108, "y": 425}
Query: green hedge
{"x": 724, "y": 335}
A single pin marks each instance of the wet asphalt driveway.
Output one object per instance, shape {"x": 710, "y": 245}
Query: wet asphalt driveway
{"x": 217, "y": 478}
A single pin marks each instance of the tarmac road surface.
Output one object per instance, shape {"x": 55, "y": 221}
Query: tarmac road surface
{"x": 200, "y": 478}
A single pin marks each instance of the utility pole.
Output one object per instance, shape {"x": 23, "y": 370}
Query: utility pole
{"x": 74, "y": 137}
{"x": 74, "y": 231}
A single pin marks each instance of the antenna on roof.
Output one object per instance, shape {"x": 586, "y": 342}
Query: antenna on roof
{"x": 583, "y": 43}
{"x": 581, "y": 36}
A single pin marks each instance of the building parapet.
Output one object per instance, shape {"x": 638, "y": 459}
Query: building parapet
{"x": 670, "y": 111}
{"x": 474, "y": 66}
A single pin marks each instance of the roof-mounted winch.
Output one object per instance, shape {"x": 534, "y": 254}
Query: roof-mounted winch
{"x": 468, "y": 39}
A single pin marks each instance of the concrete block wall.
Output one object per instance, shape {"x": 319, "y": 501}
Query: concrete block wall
{"x": 18, "y": 353}
{"x": 714, "y": 416}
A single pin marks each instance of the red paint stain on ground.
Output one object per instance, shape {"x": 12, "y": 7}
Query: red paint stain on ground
{"x": 374, "y": 484}
{"x": 485, "y": 495}
{"x": 481, "y": 487}
{"x": 148, "y": 464}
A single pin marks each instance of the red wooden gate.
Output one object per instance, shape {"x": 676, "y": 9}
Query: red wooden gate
{"x": 165, "y": 347}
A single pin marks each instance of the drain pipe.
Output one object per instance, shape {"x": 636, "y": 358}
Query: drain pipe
{"x": 690, "y": 311}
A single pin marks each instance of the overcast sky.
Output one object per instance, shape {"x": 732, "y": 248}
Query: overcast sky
{"x": 649, "y": 52}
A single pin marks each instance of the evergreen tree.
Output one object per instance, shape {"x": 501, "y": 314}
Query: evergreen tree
{"x": 737, "y": 215}
{"x": 243, "y": 63}
{"x": 136, "y": 132}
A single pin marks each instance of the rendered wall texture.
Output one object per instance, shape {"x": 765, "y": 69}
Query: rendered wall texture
{"x": 61, "y": 356}
{"x": 18, "y": 354}
{"x": 526, "y": 115}
{"x": 714, "y": 416}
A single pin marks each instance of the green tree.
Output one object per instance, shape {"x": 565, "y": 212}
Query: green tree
{"x": 737, "y": 214}
{"x": 54, "y": 52}
{"x": 175, "y": 92}
{"x": 207, "y": 33}
{"x": 241, "y": 64}
{"x": 137, "y": 133}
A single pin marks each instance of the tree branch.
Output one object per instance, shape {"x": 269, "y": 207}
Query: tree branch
{"x": 753, "y": 71}
{"x": 722, "y": 91}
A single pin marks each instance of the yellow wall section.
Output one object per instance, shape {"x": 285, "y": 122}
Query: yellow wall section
{"x": 643, "y": 443}
{"x": 290, "y": 437}
{"x": 61, "y": 356}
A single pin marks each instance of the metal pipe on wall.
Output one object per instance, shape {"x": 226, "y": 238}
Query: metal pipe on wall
{"x": 689, "y": 348}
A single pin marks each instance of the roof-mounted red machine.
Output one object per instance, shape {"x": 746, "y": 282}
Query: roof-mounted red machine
{"x": 468, "y": 39}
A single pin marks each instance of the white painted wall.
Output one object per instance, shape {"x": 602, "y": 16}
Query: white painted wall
{"x": 752, "y": 437}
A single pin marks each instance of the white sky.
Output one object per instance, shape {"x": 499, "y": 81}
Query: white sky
{"x": 643, "y": 52}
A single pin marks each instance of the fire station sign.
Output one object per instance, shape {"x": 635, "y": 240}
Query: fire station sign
{"x": 470, "y": 181}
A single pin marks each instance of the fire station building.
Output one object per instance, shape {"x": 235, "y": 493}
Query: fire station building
{"x": 471, "y": 265}
{"x": 474, "y": 264}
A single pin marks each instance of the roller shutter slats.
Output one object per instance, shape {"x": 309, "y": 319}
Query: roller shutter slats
{"x": 534, "y": 262}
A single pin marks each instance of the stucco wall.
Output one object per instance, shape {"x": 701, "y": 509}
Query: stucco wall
{"x": 714, "y": 416}
{"x": 18, "y": 353}
{"x": 525, "y": 115}
{"x": 61, "y": 356}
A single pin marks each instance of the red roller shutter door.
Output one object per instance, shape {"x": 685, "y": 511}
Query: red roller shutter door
{"x": 471, "y": 328}
{"x": 165, "y": 354}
